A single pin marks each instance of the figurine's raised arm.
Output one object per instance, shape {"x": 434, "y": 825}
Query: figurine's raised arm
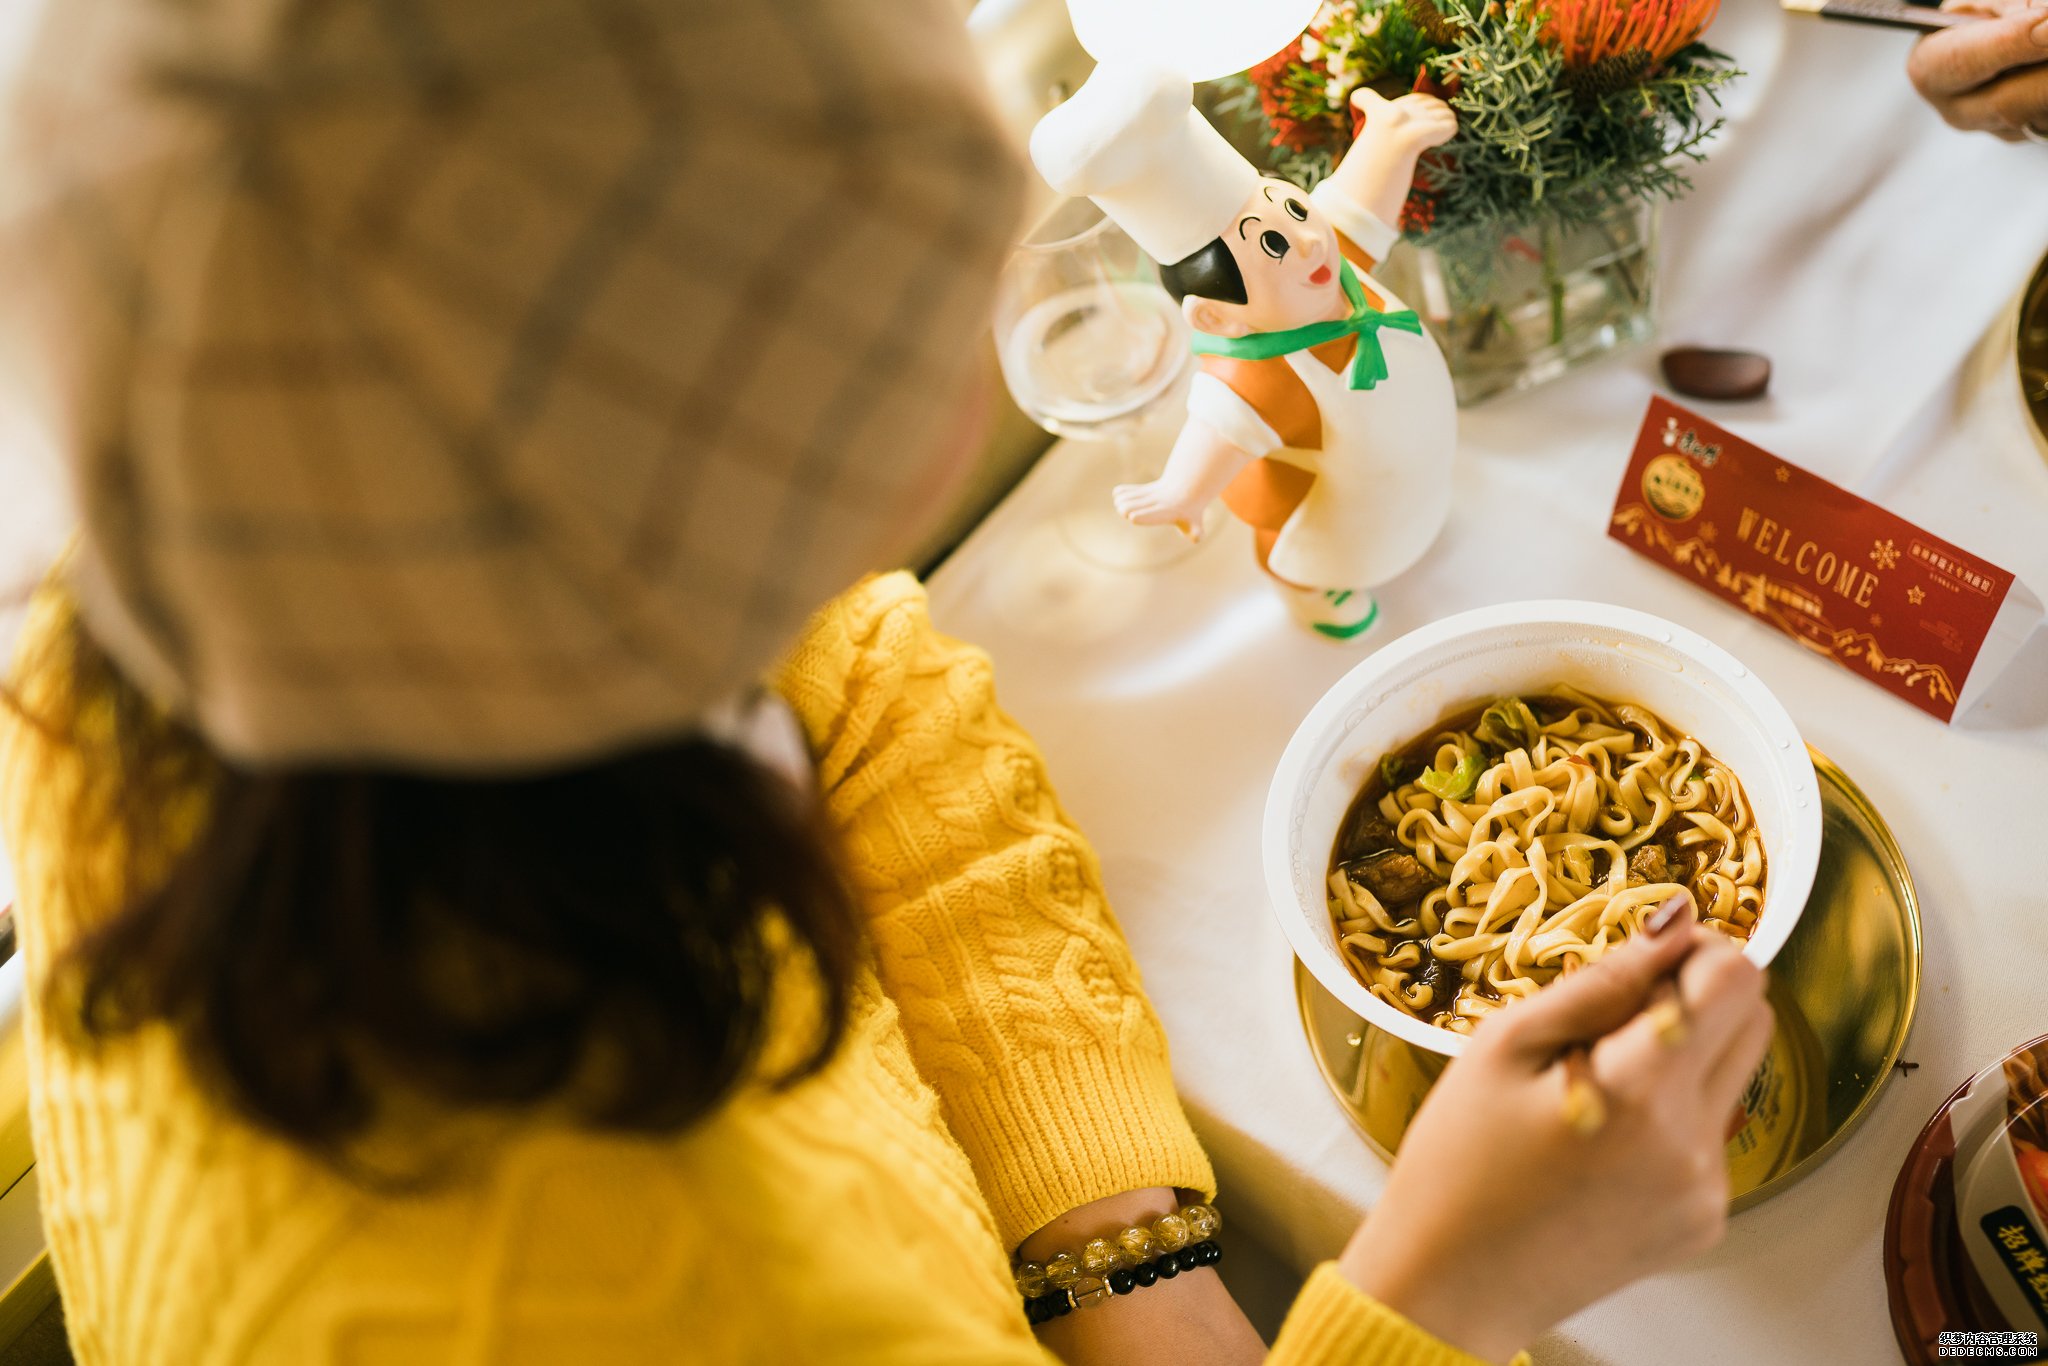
{"x": 1380, "y": 167}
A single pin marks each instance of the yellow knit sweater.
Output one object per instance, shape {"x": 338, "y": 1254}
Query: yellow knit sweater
{"x": 1003, "y": 1067}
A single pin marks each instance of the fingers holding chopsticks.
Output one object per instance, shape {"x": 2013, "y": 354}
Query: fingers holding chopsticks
{"x": 1723, "y": 997}
{"x": 1730, "y": 1074}
{"x": 1588, "y": 1004}
{"x": 1583, "y": 1130}
{"x": 1702, "y": 1015}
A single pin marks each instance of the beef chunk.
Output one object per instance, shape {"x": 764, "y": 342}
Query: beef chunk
{"x": 1681, "y": 863}
{"x": 1367, "y": 833}
{"x": 1396, "y": 879}
{"x": 1661, "y": 863}
{"x": 1649, "y": 863}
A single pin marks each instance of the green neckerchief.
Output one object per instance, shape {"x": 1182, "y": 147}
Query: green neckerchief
{"x": 1368, "y": 365}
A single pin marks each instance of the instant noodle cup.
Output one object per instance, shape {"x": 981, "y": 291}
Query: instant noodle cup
{"x": 1410, "y": 685}
{"x": 1966, "y": 1235}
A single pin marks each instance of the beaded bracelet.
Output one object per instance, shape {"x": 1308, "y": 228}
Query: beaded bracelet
{"x": 1141, "y": 1255}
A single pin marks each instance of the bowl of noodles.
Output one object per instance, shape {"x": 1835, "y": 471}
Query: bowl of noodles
{"x": 1502, "y": 797}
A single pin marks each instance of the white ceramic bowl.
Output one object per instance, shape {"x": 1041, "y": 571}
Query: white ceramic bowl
{"x": 1408, "y": 685}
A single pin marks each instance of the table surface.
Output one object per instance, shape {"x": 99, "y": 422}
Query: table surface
{"x": 1827, "y": 231}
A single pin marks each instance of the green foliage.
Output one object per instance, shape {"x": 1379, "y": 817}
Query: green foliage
{"x": 1398, "y": 50}
{"x": 1536, "y": 143}
{"x": 1306, "y": 169}
{"x": 1526, "y": 148}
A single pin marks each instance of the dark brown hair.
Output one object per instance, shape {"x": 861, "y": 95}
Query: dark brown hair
{"x": 612, "y": 936}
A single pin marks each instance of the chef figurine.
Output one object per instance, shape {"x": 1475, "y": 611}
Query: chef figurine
{"x": 1321, "y": 413}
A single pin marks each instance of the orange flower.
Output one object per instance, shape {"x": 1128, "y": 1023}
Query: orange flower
{"x": 1589, "y": 31}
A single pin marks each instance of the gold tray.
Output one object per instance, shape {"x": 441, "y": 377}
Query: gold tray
{"x": 2033, "y": 351}
{"x": 1844, "y": 986}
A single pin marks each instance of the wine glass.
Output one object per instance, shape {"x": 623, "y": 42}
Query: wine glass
{"x": 1094, "y": 348}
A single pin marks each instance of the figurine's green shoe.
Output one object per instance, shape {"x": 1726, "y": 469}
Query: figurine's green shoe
{"x": 1339, "y": 613}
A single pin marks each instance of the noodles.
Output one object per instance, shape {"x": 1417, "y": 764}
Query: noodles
{"x": 1525, "y": 840}
{"x": 2026, "y": 1085}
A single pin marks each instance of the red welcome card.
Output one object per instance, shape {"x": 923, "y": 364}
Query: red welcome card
{"x": 1911, "y": 612}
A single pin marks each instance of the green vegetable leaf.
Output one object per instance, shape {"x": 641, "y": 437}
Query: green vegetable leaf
{"x": 1457, "y": 785}
{"x": 1507, "y": 724}
{"x": 1391, "y": 766}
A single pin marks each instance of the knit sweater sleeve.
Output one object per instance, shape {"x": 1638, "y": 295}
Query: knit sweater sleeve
{"x": 1334, "y": 1323}
{"x": 1017, "y": 991}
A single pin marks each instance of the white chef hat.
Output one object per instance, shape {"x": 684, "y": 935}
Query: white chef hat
{"x": 1131, "y": 140}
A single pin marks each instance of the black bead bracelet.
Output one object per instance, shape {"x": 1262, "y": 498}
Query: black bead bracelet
{"x": 1059, "y": 1301}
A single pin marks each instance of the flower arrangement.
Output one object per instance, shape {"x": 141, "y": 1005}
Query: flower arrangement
{"x": 1568, "y": 109}
{"x": 1535, "y": 225}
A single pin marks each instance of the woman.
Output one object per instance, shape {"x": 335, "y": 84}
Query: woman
{"x": 441, "y": 951}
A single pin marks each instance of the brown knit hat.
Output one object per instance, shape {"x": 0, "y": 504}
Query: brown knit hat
{"x": 481, "y": 384}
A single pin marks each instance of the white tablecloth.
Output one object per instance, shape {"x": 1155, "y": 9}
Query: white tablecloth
{"x": 1875, "y": 256}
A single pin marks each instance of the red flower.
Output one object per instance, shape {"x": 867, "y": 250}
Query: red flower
{"x": 1271, "y": 72}
{"x": 1418, "y": 214}
{"x": 1291, "y": 97}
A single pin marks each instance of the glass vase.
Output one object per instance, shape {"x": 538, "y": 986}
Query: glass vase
{"x": 1515, "y": 309}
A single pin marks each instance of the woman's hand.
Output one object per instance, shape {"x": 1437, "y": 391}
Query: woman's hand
{"x": 1499, "y": 1220}
{"x": 1992, "y": 76}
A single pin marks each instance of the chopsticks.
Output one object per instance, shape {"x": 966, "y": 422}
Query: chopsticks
{"x": 1882, "y": 13}
{"x": 1585, "y": 1104}
{"x": 1667, "y": 1014}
